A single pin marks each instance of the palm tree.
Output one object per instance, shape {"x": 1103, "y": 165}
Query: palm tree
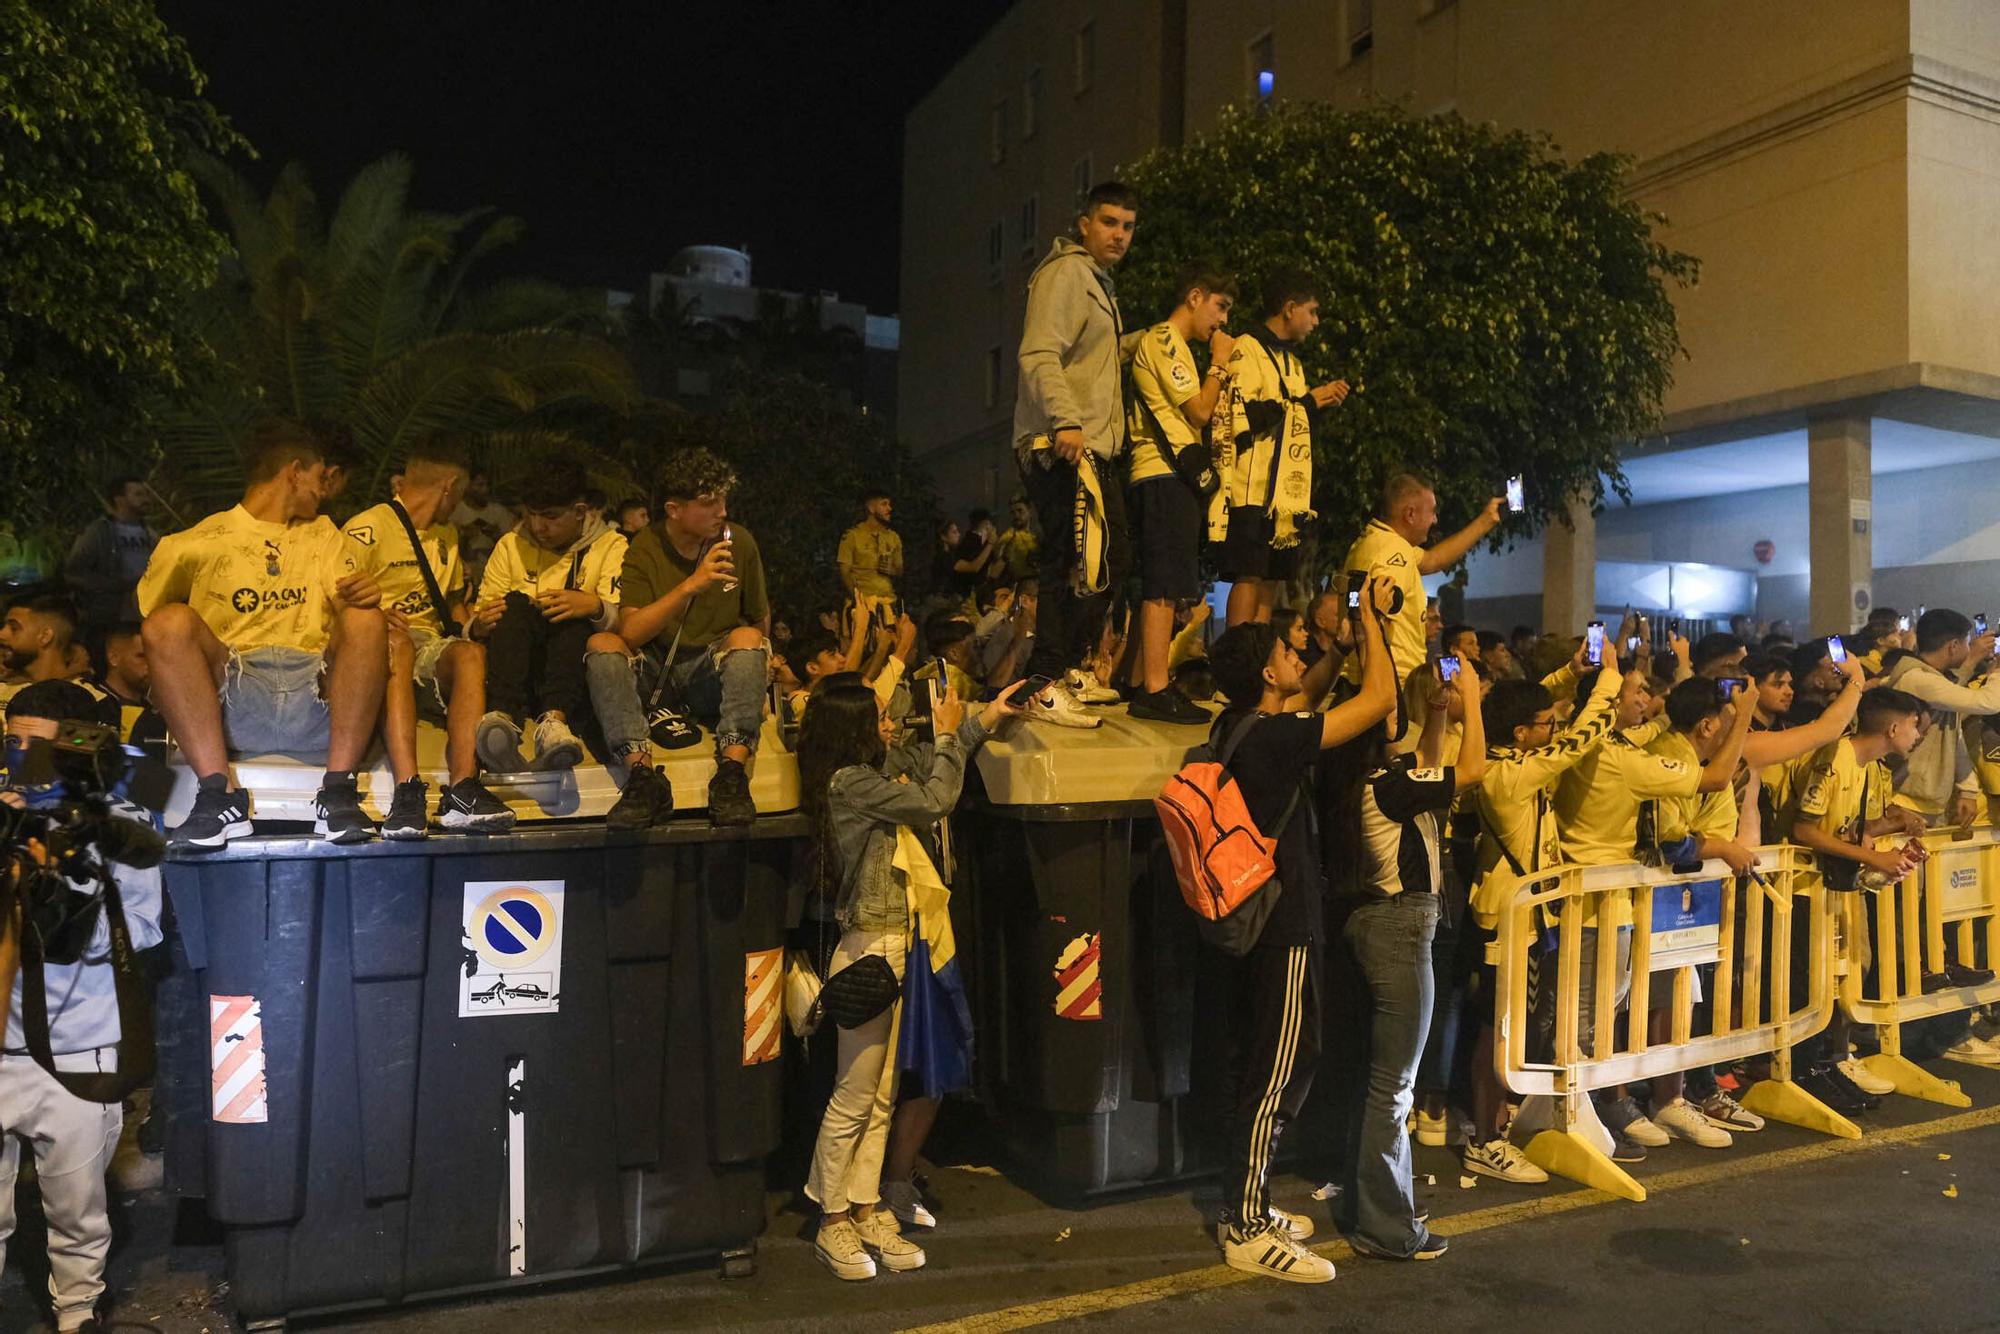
{"x": 370, "y": 319}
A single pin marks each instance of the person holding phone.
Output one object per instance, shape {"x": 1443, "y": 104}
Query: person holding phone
{"x": 694, "y": 633}
{"x": 1950, "y": 672}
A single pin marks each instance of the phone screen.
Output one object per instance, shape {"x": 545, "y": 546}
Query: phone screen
{"x": 1593, "y": 640}
{"x": 1034, "y": 686}
{"x": 1730, "y": 685}
{"x": 1632, "y": 643}
{"x": 1979, "y": 624}
{"x": 1835, "y": 650}
{"x": 1515, "y": 500}
{"x": 1447, "y": 669}
{"x": 1357, "y": 580}
{"x": 1903, "y": 624}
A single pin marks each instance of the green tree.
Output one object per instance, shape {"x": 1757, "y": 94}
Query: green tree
{"x": 106, "y": 242}
{"x": 1496, "y": 308}
{"x": 371, "y": 318}
{"x": 804, "y": 454}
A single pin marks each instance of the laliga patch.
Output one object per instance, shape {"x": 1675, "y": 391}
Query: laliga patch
{"x": 1183, "y": 378}
{"x": 1426, "y": 775}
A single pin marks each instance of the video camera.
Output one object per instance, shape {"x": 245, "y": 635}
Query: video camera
{"x": 70, "y": 780}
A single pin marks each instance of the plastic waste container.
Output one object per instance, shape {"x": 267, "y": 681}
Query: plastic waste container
{"x": 1083, "y": 960}
{"x": 470, "y": 1063}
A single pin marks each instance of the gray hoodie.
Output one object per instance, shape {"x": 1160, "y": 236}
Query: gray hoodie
{"x": 1069, "y": 352}
{"x": 866, "y": 805}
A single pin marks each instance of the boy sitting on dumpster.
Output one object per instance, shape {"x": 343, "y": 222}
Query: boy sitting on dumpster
{"x": 549, "y": 583}
{"x": 413, "y": 554}
{"x": 693, "y": 635}
{"x": 264, "y": 635}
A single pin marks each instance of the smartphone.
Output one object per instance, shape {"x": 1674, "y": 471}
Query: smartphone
{"x": 1731, "y": 685}
{"x": 1631, "y": 643}
{"x": 1674, "y": 627}
{"x": 1448, "y": 670}
{"x": 1357, "y": 580}
{"x": 1979, "y": 624}
{"x": 1835, "y": 650}
{"x": 1903, "y": 625}
{"x": 1516, "y": 502}
{"x": 1593, "y": 643}
{"x": 1034, "y": 686}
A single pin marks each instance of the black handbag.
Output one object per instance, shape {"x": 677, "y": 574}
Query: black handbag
{"x": 859, "y": 992}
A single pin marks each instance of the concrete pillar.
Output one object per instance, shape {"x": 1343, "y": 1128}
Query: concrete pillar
{"x": 1569, "y": 571}
{"x": 1840, "y": 494}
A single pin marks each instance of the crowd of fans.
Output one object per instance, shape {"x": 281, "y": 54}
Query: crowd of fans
{"x": 1410, "y": 772}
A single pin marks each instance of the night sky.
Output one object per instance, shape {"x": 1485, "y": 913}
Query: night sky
{"x": 619, "y": 131}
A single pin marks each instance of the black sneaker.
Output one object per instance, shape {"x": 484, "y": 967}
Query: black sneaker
{"x": 1627, "y": 1150}
{"x": 1432, "y": 1247}
{"x": 1836, "y": 1090}
{"x": 467, "y": 805}
{"x": 1963, "y": 975}
{"x": 1167, "y": 706}
{"x": 341, "y": 819}
{"x": 729, "y": 800}
{"x": 406, "y": 818}
{"x": 218, "y": 815}
{"x": 648, "y": 799}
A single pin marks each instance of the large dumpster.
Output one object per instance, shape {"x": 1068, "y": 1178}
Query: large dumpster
{"x": 1083, "y": 962}
{"x": 477, "y": 1062}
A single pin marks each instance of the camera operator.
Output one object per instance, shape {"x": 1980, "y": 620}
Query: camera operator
{"x": 73, "y": 1137}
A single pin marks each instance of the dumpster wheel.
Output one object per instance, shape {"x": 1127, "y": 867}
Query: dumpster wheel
{"x": 741, "y": 1262}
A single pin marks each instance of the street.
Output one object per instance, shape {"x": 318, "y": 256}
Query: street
{"x": 1785, "y": 1230}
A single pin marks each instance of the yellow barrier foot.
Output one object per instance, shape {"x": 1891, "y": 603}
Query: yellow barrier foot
{"x": 1569, "y": 1154}
{"x": 1915, "y": 1081}
{"x": 1782, "y": 1100}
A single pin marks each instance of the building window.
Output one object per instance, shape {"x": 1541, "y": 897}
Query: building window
{"x": 1085, "y": 178}
{"x": 1084, "y": 63}
{"x": 993, "y": 375}
{"x": 1360, "y": 28}
{"x": 1031, "y": 103}
{"x": 1030, "y": 226}
{"x": 996, "y": 250}
{"x": 996, "y": 134}
{"x": 1261, "y": 64}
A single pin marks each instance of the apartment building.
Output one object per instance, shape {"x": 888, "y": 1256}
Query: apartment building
{"x": 1835, "y": 166}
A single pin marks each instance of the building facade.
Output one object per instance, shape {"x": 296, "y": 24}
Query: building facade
{"x": 1835, "y": 166}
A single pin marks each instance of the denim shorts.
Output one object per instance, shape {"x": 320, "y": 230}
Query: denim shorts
{"x": 271, "y": 702}
{"x": 429, "y": 651}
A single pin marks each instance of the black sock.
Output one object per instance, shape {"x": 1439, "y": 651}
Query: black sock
{"x": 338, "y": 778}
{"x": 214, "y": 782}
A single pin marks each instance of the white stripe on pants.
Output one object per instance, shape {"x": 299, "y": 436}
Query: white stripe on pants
{"x": 73, "y": 1140}
{"x": 854, "y": 1133}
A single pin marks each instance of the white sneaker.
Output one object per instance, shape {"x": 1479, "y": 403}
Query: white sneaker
{"x": 1725, "y": 1112}
{"x": 902, "y": 1199}
{"x": 892, "y": 1250}
{"x": 1060, "y": 708}
{"x": 1431, "y": 1129}
{"x": 1865, "y": 1079}
{"x": 1275, "y": 1255}
{"x": 1640, "y": 1130}
{"x": 1087, "y": 689}
{"x": 1683, "y": 1120}
{"x": 1974, "y": 1051}
{"x": 498, "y": 743}
{"x": 1296, "y": 1226}
{"x": 556, "y": 747}
{"x": 839, "y": 1248}
{"x": 1503, "y": 1161}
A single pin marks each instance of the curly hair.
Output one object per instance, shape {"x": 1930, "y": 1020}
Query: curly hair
{"x": 690, "y": 474}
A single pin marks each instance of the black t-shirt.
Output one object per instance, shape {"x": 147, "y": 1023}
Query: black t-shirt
{"x": 1273, "y": 764}
{"x": 1401, "y": 809}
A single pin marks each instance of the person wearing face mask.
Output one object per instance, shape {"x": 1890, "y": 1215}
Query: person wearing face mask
{"x": 549, "y": 584}
{"x": 263, "y": 634}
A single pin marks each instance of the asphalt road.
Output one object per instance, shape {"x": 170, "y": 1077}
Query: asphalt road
{"x": 1786, "y": 1230}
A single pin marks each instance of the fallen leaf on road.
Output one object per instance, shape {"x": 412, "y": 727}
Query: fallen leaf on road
{"x": 1944, "y": 1157}
{"x": 1063, "y": 1235}
{"x": 1951, "y": 1192}
{"x": 1467, "y": 1183}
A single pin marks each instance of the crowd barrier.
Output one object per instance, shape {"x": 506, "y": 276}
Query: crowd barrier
{"x": 1741, "y": 931}
{"x": 1893, "y": 937}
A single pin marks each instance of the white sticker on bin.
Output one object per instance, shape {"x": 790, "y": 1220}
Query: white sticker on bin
{"x": 237, "y": 1095}
{"x": 512, "y": 934}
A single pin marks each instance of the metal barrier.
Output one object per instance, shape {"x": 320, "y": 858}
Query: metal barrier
{"x": 1689, "y": 920}
{"x": 1955, "y": 897}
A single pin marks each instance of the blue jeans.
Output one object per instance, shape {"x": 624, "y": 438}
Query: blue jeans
{"x": 722, "y": 688}
{"x": 1390, "y": 941}
{"x": 271, "y": 702}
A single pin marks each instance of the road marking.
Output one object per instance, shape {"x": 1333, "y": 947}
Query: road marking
{"x": 1078, "y": 1305}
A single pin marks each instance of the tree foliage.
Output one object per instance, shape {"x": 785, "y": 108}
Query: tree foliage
{"x": 105, "y": 241}
{"x": 370, "y": 317}
{"x": 1496, "y": 308}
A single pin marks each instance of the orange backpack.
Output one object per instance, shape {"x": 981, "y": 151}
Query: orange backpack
{"x": 1221, "y": 859}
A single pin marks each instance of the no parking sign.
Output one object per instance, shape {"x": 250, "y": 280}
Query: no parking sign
{"x": 512, "y": 936}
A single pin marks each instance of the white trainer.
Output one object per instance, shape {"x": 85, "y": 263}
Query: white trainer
{"x": 498, "y": 743}
{"x": 1974, "y": 1051}
{"x": 1681, "y": 1119}
{"x": 1296, "y": 1226}
{"x": 556, "y": 747}
{"x": 1502, "y": 1160}
{"x": 1724, "y": 1111}
{"x": 1087, "y": 689}
{"x": 1058, "y": 707}
{"x": 839, "y": 1248}
{"x": 1640, "y": 1130}
{"x": 1865, "y": 1079}
{"x": 1275, "y": 1255}
{"x": 892, "y": 1250}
